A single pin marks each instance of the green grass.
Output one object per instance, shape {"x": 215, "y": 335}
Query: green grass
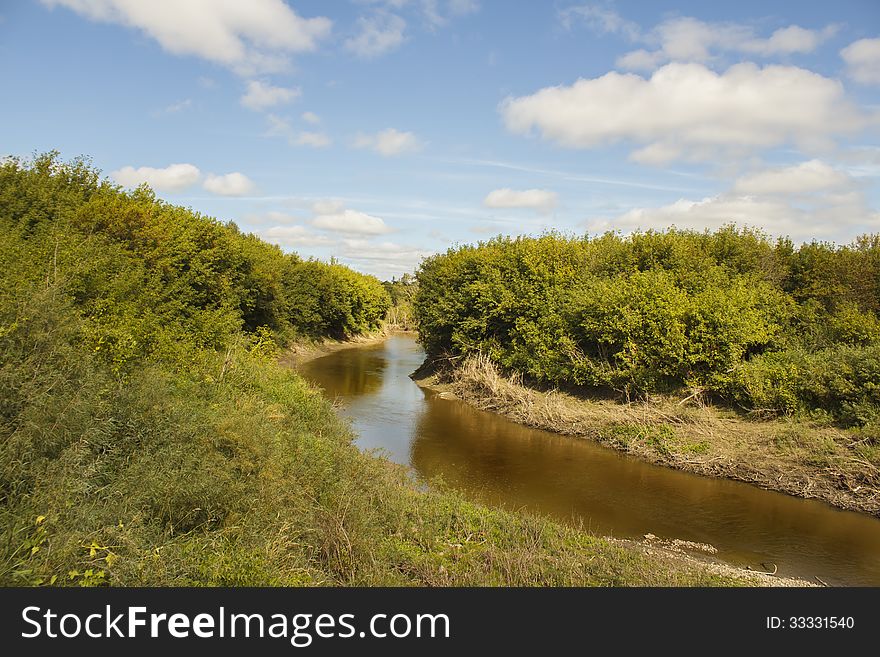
{"x": 236, "y": 472}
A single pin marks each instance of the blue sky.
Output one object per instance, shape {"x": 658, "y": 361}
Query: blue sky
{"x": 380, "y": 131}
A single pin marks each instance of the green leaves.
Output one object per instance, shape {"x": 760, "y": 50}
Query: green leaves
{"x": 332, "y": 300}
{"x": 655, "y": 311}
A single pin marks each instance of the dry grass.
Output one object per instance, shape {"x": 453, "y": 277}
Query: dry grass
{"x": 801, "y": 458}
{"x": 306, "y": 349}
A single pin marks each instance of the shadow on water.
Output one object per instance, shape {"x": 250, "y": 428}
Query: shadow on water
{"x": 499, "y": 462}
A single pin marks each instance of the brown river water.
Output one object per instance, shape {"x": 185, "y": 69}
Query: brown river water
{"x": 496, "y": 461}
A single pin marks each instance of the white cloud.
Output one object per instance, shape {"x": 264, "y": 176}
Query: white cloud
{"x": 313, "y": 139}
{"x": 377, "y": 35}
{"x": 273, "y": 217}
{"x": 384, "y": 258}
{"x": 252, "y": 37}
{"x": 261, "y": 95}
{"x": 327, "y": 206}
{"x": 687, "y": 39}
{"x": 863, "y": 60}
{"x": 311, "y": 117}
{"x": 294, "y": 236}
{"x": 540, "y": 200}
{"x": 805, "y": 178}
{"x": 331, "y": 215}
{"x": 844, "y": 217}
{"x": 690, "y": 112}
{"x": 230, "y": 184}
{"x": 789, "y": 40}
{"x": 639, "y": 60}
{"x": 806, "y": 201}
{"x": 389, "y": 142}
{"x": 173, "y": 178}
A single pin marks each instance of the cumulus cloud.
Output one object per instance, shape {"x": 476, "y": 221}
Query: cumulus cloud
{"x": 640, "y": 60}
{"x": 687, "y": 111}
{"x": 805, "y": 178}
{"x": 311, "y": 117}
{"x": 847, "y": 216}
{"x": 541, "y": 200}
{"x": 173, "y": 178}
{"x": 252, "y": 37}
{"x": 863, "y": 60}
{"x": 230, "y": 184}
{"x": 331, "y": 224}
{"x": 804, "y": 201}
{"x": 295, "y": 236}
{"x": 377, "y": 35}
{"x": 687, "y": 39}
{"x": 389, "y": 142}
{"x": 261, "y": 95}
{"x": 332, "y": 216}
{"x": 789, "y": 40}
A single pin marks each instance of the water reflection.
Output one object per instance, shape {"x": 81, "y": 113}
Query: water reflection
{"x": 500, "y": 462}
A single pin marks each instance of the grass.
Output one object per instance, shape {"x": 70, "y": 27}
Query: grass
{"x": 803, "y": 457}
{"x": 236, "y": 472}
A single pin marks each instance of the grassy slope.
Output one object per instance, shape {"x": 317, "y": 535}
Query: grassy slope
{"x": 238, "y": 473}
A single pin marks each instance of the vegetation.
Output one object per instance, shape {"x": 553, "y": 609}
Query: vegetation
{"x": 736, "y": 355}
{"x": 732, "y": 315}
{"x": 148, "y": 437}
{"x": 402, "y": 292}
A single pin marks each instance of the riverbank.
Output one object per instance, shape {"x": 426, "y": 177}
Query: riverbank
{"x": 304, "y": 350}
{"x": 809, "y": 460}
{"x": 450, "y": 540}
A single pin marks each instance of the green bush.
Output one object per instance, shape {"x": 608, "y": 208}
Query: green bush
{"x": 731, "y": 312}
{"x": 843, "y": 380}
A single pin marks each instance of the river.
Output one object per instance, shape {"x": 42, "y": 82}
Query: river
{"x": 498, "y": 462}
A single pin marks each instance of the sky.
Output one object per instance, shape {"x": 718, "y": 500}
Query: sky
{"x": 379, "y": 132}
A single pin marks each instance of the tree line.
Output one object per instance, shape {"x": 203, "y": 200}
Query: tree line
{"x": 161, "y": 281}
{"x": 147, "y": 434}
{"x": 759, "y": 323}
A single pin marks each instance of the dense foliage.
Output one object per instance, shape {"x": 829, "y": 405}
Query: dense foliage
{"x": 145, "y": 433}
{"x": 761, "y": 323}
{"x": 161, "y": 281}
